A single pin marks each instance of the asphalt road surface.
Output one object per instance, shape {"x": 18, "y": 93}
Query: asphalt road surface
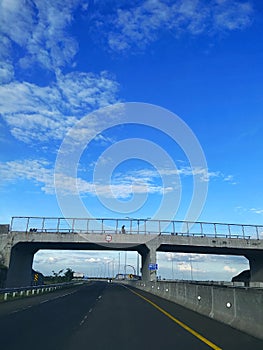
{"x": 105, "y": 316}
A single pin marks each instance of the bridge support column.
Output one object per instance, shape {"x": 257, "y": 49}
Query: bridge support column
{"x": 5, "y": 249}
{"x": 148, "y": 257}
{"x": 20, "y": 267}
{"x": 256, "y": 267}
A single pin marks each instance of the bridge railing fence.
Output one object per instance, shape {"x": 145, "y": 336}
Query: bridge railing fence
{"x": 134, "y": 226}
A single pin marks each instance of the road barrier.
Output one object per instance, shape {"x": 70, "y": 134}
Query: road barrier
{"x": 10, "y": 293}
{"x": 239, "y": 307}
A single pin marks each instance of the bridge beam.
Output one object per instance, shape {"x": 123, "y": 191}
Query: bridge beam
{"x": 256, "y": 266}
{"x": 20, "y": 267}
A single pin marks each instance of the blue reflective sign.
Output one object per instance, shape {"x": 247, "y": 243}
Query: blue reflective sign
{"x": 153, "y": 267}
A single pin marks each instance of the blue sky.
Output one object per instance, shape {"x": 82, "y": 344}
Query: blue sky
{"x": 200, "y": 60}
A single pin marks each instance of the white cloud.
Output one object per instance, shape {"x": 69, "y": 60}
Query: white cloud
{"x": 28, "y": 169}
{"x": 93, "y": 260}
{"x": 231, "y": 15}
{"x": 230, "y": 179}
{"x": 187, "y": 267}
{"x": 35, "y": 113}
{"x": 72, "y": 257}
{"x": 230, "y": 269}
{"x": 148, "y": 176}
{"x": 46, "y": 259}
{"x": 257, "y": 211}
{"x": 138, "y": 24}
{"x": 40, "y": 29}
{"x": 41, "y": 172}
{"x": 6, "y": 72}
{"x": 182, "y": 257}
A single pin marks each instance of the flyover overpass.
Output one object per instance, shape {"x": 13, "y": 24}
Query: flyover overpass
{"x": 26, "y": 235}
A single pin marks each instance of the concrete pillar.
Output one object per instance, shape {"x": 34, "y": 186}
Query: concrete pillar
{"x": 5, "y": 249}
{"x": 148, "y": 257}
{"x": 20, "y": 267}
{"x": 256, "y": 266}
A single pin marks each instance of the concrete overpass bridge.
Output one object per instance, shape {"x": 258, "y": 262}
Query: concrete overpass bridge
{"x": 20, "y": 240}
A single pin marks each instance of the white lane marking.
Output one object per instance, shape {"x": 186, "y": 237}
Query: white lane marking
{"x": 41, "y": 302}
{"x": 23, "y": 309}
{"x": 14, "y": 312}
{"x": 62, "y": 296}
{"x": 84, "y": 319}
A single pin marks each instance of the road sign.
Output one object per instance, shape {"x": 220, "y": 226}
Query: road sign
{"x": 108, "y": 238}
{"x": 153, "y": 267}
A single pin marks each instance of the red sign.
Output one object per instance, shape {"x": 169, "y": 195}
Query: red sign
{"x": 108, "y": 238}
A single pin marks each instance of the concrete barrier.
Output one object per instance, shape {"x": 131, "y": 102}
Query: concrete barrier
{"x": 239, "y": 307}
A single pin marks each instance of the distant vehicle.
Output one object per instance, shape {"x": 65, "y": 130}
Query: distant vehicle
{"x": 78, "y": 275}
{"x": 130, "y": 276}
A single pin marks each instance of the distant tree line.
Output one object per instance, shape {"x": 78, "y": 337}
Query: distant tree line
{"x": 59, "y": 277}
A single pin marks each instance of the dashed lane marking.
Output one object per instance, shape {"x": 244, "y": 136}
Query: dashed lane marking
{"x": 84, "y": 319}
{"x": 41, "y": 302}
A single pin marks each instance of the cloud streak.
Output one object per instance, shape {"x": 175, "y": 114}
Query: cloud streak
{"x": 35, "y": 113}
{"x": 40, "y": 31}
{"x": 41, "y": 172}
{"x": 42, "y": 35}
{"x": 138, "y": 24}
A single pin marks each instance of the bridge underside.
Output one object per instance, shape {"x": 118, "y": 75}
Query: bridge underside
{"x": 254, "y": 257}
{"x": 22, "y": 254}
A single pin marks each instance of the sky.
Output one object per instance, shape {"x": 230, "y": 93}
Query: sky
{"x": 142, "y": 109}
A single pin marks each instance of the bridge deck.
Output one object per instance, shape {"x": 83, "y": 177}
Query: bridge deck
{"x": 135, "y": 226}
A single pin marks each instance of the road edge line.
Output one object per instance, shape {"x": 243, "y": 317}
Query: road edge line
{"x": 180, "y": 323}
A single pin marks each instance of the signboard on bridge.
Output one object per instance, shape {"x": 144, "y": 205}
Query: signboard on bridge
{"x": 153, "y": 267}
{"x": 108, "y": 238}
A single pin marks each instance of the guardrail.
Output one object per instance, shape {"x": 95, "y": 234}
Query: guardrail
{"x": 9, "y": 293}
{"x": 134, "y": 226}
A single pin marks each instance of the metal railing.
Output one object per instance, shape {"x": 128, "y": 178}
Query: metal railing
{"x": 134, "y": 226}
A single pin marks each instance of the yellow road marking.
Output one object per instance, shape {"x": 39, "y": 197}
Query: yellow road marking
{"x": 190, "y": 330}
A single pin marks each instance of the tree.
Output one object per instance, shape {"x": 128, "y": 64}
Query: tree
{"x": 57, "y": 274}
{"x": 68, "y": 274}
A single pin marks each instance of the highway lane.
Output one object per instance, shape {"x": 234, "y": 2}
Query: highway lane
{"x": 103, "y": 316}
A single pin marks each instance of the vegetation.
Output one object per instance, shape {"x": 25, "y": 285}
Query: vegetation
{"x": 59, "y": 277}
